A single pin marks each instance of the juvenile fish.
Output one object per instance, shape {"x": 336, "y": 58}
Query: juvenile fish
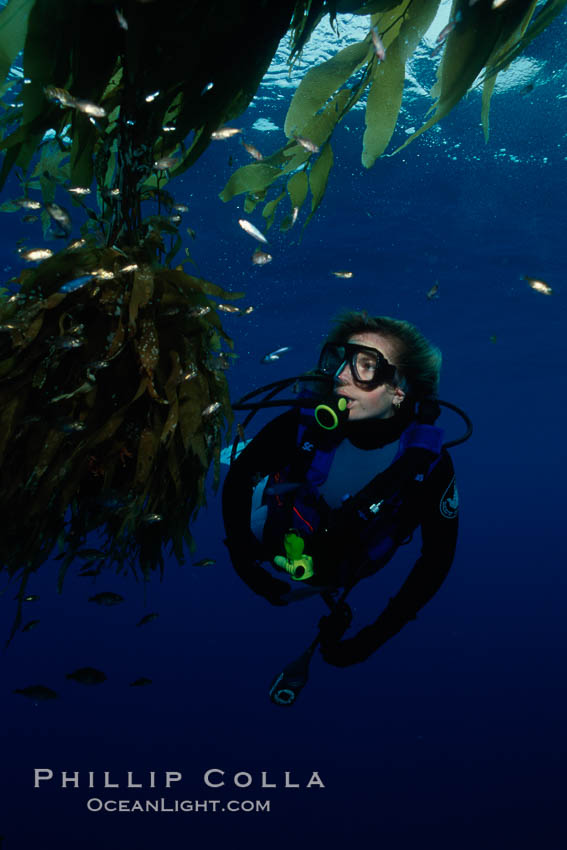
{"x": 148, "y": 618}
{"x": 379, "y": 48}
{"x": 433, "y": 292}
{"x": 251, "y": 230}
{"x": 260, "y": 258}
{"x": 212, "y": 408}
{"x": 36, "y": 692}
{"x": 165, "y": 162}
{"x": 76, "y": 283}
{"x": 31, "y": 625}
{"x": 60, "y": 216}
{"x": 36, "y": 254}
{"x": 344, "y": 274}
{"x": 225, "y": 133}
{"x": 228, "y": 308}
{"x": 538, "y": 285}
{"x": 107, "y": 598}
{"x": 275, "y": 355}
{"x": 28, "y": 204}
{"x": 141, "y": 682}
{"x": 307, "y": 144}
{"x": 87, "y": 676}
{"x": 204, "y": 562}
{"x": 254, "y": 152}
{"x": 78, "y": 190}
{"x": 59, "y": 95}
{"x": 90, "y": 108}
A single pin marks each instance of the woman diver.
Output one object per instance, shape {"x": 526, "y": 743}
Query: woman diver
{"x": 313, "y": 508}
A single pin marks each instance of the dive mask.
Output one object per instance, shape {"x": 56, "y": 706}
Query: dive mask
{"x": 369, "y": 367}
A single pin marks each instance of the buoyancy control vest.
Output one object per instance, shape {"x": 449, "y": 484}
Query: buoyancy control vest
{"x": 364, "y": 533}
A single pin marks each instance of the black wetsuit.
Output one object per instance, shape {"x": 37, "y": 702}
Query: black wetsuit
{"x": 432, "y": 505}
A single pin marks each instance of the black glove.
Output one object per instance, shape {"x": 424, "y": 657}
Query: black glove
{"x": 256, "y": 577}
{"x": 334, "y": 625}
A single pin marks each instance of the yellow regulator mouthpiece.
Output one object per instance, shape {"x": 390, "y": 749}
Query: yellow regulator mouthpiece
{"x": 298, "y": 565}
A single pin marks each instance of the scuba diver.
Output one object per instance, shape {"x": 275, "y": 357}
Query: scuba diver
{"x": 327, "y": 492}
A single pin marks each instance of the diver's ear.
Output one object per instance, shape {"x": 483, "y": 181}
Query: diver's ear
{"x": 399, "y": 396}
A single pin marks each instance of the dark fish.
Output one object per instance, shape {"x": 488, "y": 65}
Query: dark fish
{"x": 87, "y": 676}
{"x": 29, "y": 219}
{"x": 139, "y": 683}
{"x": 147, "y": 618}
{"x": 204, "y": 562}
{"x": 36, "y": 692}
{"x": 433, "y": 292}
{"x": 107, "y": 597}
{"x": 31, "y": 625}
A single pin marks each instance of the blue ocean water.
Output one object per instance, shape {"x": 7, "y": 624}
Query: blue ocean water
{"x": 452, "y": 735}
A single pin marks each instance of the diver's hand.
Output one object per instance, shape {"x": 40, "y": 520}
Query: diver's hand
{"x": 256, "y": 577}
{"x": 334, "y": 625}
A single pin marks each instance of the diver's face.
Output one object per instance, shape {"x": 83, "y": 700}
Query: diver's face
{"x": 377, "y": 403}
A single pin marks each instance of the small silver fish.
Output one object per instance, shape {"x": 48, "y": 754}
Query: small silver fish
{"x": 260, "y": 258}
{"x": 251, "y": 230}
{"x": 69, "y": 342}
{"x": 254, "y": 152}
{"x": 78, "y": 243}
{"x": 165, "y": 162}
{"x": 225, "y": 133}
{"x": 344, "y": 274}
{"x": 28, "y": 204}
{"x": 122, "y": 22}
{"x": 71, "y": 427}
{"x": 538, "y": 285}
{"x": 228, "y": 308}
{"x": 274, "y": 355}
{"x": 307, "y": 144}
{"x": 379, "y": 48}
{"x": 433, "y": 292}
{"x": 78, "y": 190}
{"x": 212, "y": 408}
{"x": 181, "y": 208}
{"x": 60, "y": 216}
{"x": 198, "y": 311}
{"x": 90, "y": 108}
{"x": 151, "y": 519}
{"x": 36, "y": 254}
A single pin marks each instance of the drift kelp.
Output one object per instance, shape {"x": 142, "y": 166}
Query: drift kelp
{"x": 482, "y": 35}
{"x": 113, "y": 363}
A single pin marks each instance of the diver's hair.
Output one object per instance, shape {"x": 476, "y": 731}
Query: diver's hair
{"x": 418, "y": 362}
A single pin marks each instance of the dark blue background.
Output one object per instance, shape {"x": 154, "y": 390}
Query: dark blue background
{"x": 452, "y": 736}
